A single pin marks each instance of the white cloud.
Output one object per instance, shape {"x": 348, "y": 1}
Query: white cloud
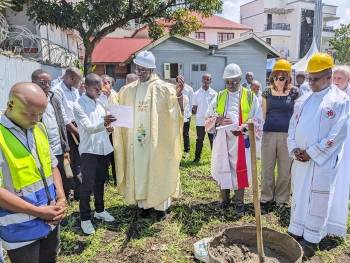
{"x": 231, "y": 10}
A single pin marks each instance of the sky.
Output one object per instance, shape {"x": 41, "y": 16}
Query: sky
{"x": 231, "y": 10}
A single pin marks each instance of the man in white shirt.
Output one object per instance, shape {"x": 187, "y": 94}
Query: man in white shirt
{"x": 249, "y": 76}
{"x": 67, "y": 94}
{"x": 93, "y": 125}
{"x": 201, "y": 101}
{"x": 188, "y": 91}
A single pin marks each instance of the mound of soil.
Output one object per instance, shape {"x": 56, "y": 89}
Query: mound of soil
{"x": 241, "y": 253}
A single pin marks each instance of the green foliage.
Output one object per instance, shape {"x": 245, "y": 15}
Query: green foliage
{"x": 80, "y": 66}
{"x": 5, "y": 4}
{"x": 96, "y": 19}
{"x": 341, "y": 44}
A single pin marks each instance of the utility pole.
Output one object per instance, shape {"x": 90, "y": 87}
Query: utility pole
{"x": 318, "y": 23}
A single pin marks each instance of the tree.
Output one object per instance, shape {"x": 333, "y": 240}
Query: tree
{"x": 341, "y": 44}
{"x": 4, "y": 4}
{"x": 94, "y": 19}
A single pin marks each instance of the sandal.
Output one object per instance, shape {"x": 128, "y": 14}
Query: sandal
{"x": 264, "y": 202}
{"x": 280, "y": 205}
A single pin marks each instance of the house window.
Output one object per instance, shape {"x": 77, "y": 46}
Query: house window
{"x": 199, "y": 35}
{"x": 268, "y": 40}
{"x": 222, "y": 37}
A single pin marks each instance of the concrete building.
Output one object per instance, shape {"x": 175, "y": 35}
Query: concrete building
{"x": 215, "y": 30}
{"x": 44, "y": 43}
{"x": 287, "y": 25}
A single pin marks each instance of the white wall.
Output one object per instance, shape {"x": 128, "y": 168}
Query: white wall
{"x": 211, "y": 35}
{"x": 14, "y": 70}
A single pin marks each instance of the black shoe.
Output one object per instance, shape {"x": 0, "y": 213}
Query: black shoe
{"x": 161, "y": 215}
{"x": 297, "y": 238}
{"x": 196, "y": 160}
{"x": 239, "y": 208}
{"x": 142, "y": 213}
{"x": 221, "y": 206}
{"x": 64, "y": 222}
{"x": 308, "y": 248}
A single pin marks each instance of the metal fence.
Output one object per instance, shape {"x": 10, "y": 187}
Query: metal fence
{"x": 279, "y": 26}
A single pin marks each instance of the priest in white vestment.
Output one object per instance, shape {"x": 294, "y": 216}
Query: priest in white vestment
{"x": 317, "y": 131}
{"x": 148, "y": 155}
{"x": 337, "y": 222}
{"x": 230, "y": 163}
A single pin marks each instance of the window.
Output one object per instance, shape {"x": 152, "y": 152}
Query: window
{"x": 199, "y": 35}
{"x": 268, "y": 40}
{"x": 222, "y": 37}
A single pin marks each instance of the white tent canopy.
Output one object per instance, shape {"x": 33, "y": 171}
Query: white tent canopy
{"x": 302, "y": 64}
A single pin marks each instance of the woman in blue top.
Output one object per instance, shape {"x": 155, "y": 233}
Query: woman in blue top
{"x": 277, "y": 105}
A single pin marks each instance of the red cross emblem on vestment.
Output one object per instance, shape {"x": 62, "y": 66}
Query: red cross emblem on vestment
{"x": 329, "y": 143}
{"x": 330, "y": 114}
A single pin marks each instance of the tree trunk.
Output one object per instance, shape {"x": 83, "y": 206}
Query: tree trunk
{"x": 87, "y": 59}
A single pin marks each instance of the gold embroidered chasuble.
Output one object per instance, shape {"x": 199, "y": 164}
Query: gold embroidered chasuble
{"x": 164, "y": 142}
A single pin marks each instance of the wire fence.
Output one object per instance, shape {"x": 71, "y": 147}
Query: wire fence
{"x": 19, "y": 40}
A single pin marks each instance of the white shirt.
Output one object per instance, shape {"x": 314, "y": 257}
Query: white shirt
{"x": 188, "y": 91}
{"x": 202, "y": 99}
{"x": 67, "y": 98}
{"x": 49, "y": 119}
{"x": 93, "y": 135}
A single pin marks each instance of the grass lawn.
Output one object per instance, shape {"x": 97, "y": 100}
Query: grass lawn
{"x": 190, "y": 219}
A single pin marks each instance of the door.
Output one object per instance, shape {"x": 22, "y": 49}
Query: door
{"x": 269, "y": 21}
{"x": 197, "y": 71}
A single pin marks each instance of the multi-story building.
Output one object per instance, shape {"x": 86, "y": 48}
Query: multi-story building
{"x": 44, "y": 43}
{"x": 288, "y": 25}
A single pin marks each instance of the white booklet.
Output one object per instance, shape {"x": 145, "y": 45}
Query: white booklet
{"x": 230, "y": 127}
{"x": 124, "y": 115}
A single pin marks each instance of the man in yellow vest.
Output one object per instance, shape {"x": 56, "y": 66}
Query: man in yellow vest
{"x": 32, "y": 198}
{"x": 230, "y": 163}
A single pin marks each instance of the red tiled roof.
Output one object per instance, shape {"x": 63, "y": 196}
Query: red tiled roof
{"x": 113, "y": 50}
{"x": 214, "y": 22}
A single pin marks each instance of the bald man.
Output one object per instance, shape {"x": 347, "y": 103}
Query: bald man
{"x": 67, "y": 94}
{"x": 201, "y": 100}
{"x": 32, "y": 194}
{"x": 131, "y": 78}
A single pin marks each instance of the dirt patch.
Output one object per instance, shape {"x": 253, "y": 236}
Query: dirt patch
{"x": 243, "y": 253}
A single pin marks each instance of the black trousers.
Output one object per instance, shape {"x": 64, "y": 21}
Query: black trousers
{"x": 75, "y": 164}
{"x": 200, "y": 138}
{"x": 112, "y": 162}
{"x": 93, "y": 169}
{"x": 185, "y": 134}
{"x": 41, "y": 251}
{"x": 67, "y": 182}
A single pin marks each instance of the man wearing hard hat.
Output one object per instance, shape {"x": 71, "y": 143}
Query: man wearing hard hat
{"x": 317, "y": 132}
{"x": 230, "y": 163}
{"x": 148, "y": 155}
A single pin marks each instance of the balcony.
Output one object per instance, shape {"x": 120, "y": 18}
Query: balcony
{"x": 328, "y": 29}
{"x": 277, "y": 26}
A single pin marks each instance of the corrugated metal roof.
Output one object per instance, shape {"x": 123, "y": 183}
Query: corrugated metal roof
{"x": 114, "y": 50}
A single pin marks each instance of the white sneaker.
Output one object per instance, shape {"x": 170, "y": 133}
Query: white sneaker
{"x": 87, "y": 227}
{"x": 105, "y": 216}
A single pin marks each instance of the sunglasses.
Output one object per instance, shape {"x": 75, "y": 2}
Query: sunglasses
{"x": 232, "y": 82}
{"x": 44, "y": 83}
{"x": 279, "y": 78}
{"x": 316, "y": 79}
{"x": 143, "y": 71}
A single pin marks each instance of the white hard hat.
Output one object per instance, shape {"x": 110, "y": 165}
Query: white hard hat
{"x": 145, "y": 59}
{"x": 232, "y": 71}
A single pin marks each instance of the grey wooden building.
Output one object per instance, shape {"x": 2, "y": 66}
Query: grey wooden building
{"x": 191, "y": 58}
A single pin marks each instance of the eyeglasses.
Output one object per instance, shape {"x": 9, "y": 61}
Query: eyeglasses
{"x": 143, "y": 71}
{"x": 232, "y": 82}
{"x": 279, "y": 78}
{"x": 44, "y": 82}
{"x": 316, "y": 79}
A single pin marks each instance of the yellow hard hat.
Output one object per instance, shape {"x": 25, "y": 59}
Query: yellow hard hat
{"x": 282, "y": 64}
{"x": 319, "y": 62}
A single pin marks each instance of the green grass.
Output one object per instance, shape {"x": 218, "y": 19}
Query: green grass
{"x": 190, "y": 218}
